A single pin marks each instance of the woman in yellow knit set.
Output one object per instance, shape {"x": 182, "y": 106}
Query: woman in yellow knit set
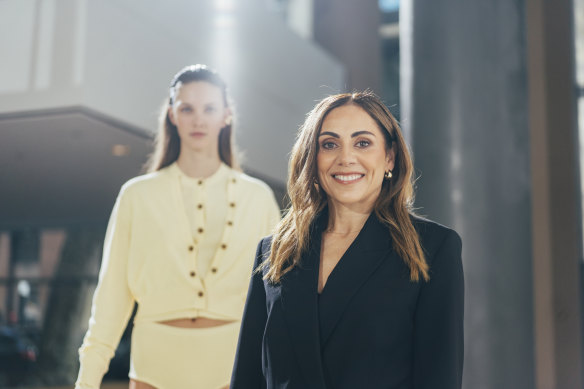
{"x": 180, "y": 242}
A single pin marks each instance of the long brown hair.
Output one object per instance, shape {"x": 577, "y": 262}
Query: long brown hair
{"x": 167, "y": 141}
{"x": 393, "y": 207}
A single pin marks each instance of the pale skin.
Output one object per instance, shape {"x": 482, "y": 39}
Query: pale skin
{"x": 199, "y": 113}
{"x": 352, "y": 159}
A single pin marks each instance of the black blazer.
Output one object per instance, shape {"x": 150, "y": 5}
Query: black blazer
{"x": 371, "y": 327}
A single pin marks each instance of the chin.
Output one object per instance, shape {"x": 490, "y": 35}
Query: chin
{"x": 352, "y": 200}
{"x": 348, "y": 200}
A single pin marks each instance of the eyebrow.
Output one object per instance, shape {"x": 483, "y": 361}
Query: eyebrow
{"x": 353, "y": 135}
{"x": 204, "y": 104}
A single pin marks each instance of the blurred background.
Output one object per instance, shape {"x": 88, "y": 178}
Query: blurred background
{"x": 489, "y": 94}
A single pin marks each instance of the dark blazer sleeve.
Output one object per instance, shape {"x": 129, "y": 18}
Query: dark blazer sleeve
{"x": 247, "y": 370}
{"x": 438, "y": 326}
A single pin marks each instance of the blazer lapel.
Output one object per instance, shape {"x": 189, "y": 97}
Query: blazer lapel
{"x": 358, "y": 263}
{"x": 300, "y": 306}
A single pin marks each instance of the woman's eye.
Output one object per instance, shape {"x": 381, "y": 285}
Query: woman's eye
{"x": 363, "y": 143}
{"x": 328, "y": 145}
{"x": 185, "y": 109}
{"x": 210, "y": 109}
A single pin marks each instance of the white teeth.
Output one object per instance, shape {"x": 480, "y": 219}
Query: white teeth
{"x": 349, "y": 177}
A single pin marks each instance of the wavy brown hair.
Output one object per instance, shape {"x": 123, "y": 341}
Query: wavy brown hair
{"x": 393, "y": 207}
{"x": 167, "y": 141}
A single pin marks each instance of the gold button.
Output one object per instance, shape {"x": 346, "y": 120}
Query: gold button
{"x": 201, "y": 294}
{"x": 223, "y": 246}
{"x": 232, "y": 205}
{"x": 193, "y": 274}
{"x": 229, "y": 223}
{"x": 214, "y": 270}
{"x": 200, "y": 230}
{"x": 200, "y": 182}
{"x": 233, "y": 180}
{"x": 191, "y": 248}
{"x": 200, "y": 206}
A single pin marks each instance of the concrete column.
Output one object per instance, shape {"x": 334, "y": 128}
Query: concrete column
{"x": 556, "y": 208}
{"x": 464, "y": 107}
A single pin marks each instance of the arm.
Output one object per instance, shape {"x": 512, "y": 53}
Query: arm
{"x": 247, "y": 370}
{"x": 438, "y": 325}
{"x": 112, "y": 300}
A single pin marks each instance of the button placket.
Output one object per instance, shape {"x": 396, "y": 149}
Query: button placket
{"x": 199, "y": 220}
{"x": 192, "y": 246}
{"x": 182, "y": 216}
{"x": 231, "y": 206}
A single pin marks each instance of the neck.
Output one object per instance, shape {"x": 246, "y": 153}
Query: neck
{"x": 345, "y": 220}
{"x": 198, "y": 165}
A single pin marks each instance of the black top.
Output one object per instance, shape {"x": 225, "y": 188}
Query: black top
{"x": 370, "y": 328}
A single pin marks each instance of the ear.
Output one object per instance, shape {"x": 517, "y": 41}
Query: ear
{"x": 228, "y": 116}
{"x": 390, "y": 158}
{"x": 171, "y": 115}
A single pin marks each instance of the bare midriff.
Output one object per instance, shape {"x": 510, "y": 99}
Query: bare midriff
{"x": 199, "y": 322}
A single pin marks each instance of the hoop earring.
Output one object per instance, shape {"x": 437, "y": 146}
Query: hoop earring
{"x": 388, "y": 174}
{"x": 228, "y": 120}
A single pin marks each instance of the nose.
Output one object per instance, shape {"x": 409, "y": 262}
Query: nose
{"x": 197, "y": 120}
{"x": 347, "y": 157}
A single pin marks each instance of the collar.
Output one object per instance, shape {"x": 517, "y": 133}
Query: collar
{"x": 220, "y": 175}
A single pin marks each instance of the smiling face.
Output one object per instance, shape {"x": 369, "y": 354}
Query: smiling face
{"x": 199, "y": 113}
{"x": 352, "y": 158}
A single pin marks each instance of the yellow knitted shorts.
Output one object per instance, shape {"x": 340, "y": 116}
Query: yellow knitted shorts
{"x": 168, "y": 357}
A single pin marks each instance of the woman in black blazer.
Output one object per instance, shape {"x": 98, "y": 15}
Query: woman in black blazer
{"x": 353, "y": 290}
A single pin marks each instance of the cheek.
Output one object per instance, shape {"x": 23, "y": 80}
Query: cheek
{"x": 381, "y": 160}
{"x": 217, "y": 122}
{"x": 322, "y": 164}
{"x": 179, "y": 122}
{"x": 180, "y": 117}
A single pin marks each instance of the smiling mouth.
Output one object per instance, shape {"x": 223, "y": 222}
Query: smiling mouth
{"x": 197, "y": 134}
{"x": 347, "y": 178}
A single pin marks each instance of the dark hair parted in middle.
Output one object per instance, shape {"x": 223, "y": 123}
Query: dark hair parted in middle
{"x": 393, "y": 207}
{"x": 167, "y": 142}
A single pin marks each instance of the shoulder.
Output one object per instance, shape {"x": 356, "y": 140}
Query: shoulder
{"x": 264, "y": 246}
{"x": 262, "y": 253}
{"x": 145, "y": 183}
{"x": 256, "y": 193}
{"x": 435, "y": 236}
{"x": 251, "y": 183}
